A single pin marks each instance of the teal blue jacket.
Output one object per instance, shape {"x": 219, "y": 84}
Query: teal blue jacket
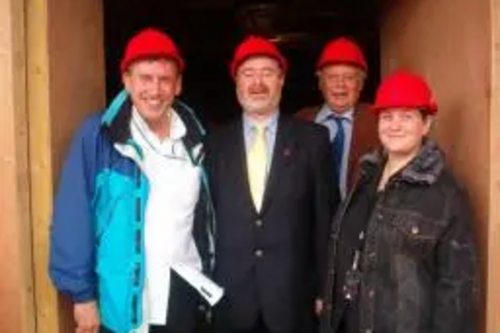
{"x": 97, "y": 233}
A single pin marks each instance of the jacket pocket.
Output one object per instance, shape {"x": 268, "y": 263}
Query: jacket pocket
{"x": 415, "y": 233}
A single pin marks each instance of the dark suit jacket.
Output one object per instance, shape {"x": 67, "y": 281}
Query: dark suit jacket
{"x": 270, "y": 262}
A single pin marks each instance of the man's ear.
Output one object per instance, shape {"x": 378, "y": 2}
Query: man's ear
{"x": 126, "y": 80}
{"x": 178, "y": 88}
{"x": 319, "y": 82}
{"x": 362, "y": 79}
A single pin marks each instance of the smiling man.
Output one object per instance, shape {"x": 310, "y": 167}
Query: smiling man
{"x": 274, "y": 195}
{"x": 131, "y": 203}
{"x": 341, "y": 71}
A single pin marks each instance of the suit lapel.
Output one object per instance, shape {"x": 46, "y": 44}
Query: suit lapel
{"x": 353, "y": 150}
{"x": 283, "y": 150}
{"x": 364, "y": 139}
{"x": 235, "y": 170}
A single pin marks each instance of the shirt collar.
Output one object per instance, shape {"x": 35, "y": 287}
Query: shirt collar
{"x": 271, "y": 123}
{"x": 325, "y": 112}
{"x": 177, "y": 127}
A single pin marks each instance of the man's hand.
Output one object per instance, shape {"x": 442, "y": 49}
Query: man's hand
{"x": 318, "y": 307}
{"x": 86, "y": 317}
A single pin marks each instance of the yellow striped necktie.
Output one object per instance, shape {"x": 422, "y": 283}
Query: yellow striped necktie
{"x": 257, "y": 165}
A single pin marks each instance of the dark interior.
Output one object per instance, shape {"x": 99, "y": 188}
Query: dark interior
{"x": 207, "y": 32}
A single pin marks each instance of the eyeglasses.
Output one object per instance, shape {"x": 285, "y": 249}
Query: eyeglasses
{"x": 342, "y": 78}
{"x": 250, "y": 74}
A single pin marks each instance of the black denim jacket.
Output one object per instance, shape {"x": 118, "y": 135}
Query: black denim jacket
{"x": 419, "y": 260}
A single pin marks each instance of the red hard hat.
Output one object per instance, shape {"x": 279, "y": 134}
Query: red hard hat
{"x": 256, "y": 46}
{"x": 342, "y": 51}
{"x": 151, "y": 43}
{"x": 403, "y": 89}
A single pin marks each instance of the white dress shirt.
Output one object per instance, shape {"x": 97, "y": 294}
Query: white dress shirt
{"x": 323, "y": 118}
{"x": 174, "y": 184}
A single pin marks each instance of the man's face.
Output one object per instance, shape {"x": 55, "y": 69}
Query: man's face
{"x": 341, "y": 85}
{"x": 259, "y": 81}
{"x": 153, "y": 85}
{"x": 401, "y": 130}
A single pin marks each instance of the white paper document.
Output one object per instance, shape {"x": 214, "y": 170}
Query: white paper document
{"x": 208, "y": 289}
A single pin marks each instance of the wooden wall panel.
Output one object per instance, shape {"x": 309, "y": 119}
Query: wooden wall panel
{"x": 40, "y": 161}
{"x": 66, "y": 82}
{"x": 493, "y": 287}
{"x": 449, "y": 42}
{"x": 16, "y": 284}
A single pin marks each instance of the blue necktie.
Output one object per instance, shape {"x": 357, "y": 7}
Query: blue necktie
{"x": 338, "y": 145}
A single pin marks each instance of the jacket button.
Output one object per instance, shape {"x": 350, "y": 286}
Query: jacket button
{"x": 371, "y": 293}
{"x": 380, "y": 216}
{"x": 259, "y": 253}
{"x": 258, "y": 223}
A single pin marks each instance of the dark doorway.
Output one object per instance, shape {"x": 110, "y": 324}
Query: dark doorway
{"x": 207, "y": 31}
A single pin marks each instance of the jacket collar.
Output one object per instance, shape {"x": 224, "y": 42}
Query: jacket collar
{"x": 116, "y": 123}
{"x": 425, "y": 168}
{"x": 325, "y": 113}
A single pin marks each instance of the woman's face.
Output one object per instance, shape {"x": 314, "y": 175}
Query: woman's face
{"x": 401, "y": 130}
